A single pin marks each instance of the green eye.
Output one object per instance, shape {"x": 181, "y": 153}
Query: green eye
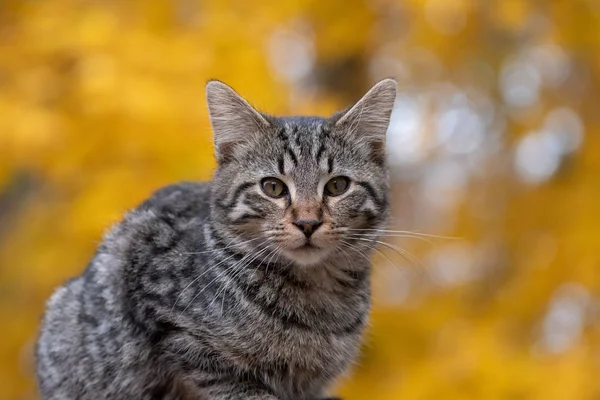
{"x": 273, "y": 187}
{"x": 337, "y": 186}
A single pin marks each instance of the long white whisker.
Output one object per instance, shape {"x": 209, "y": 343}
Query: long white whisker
{"x": 345, "y": 254}
{"x": 380, "y": 252}
{"x": 401, "y": 252}
{"x": 240, "y": 269}
{"x": 211, "y": 267}
{"x": 355, "y": 249}
{"x": 407, "y": 233}
{"x": 366, "y": 235}
{"x": 215, "y": 278}
{"x": 255, "y": 269}
{"x": 272, "y": 255}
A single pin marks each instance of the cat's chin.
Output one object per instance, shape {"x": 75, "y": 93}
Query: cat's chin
{"x": 307, "y": 255}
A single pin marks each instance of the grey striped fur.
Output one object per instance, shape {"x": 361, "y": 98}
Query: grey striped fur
{"x": 205, "y": 291}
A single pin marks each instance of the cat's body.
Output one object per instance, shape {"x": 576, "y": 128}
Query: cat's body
{"x": 218, "y": 291}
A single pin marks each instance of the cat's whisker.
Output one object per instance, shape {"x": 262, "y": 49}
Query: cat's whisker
{"x": 205, "y": 272}
{"x": 240, "y": 269}
{"x": 385, "y": 256}
{"x": 398, "y": 250}
{"x": 209, "y": 283}
{"x": 277, "y": 250}
{"x": 198, "y": 278}
{"x": 213, "y": 266}
{"x": 374, "y": 234}
{"x": 355, "y": 249}
{"x": 407, "y": 278}
{"x": 345, "y": 254}
{"x": 391, "y": 231}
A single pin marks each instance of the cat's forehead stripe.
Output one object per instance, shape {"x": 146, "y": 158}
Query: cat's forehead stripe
{"x": 302, "y": 136}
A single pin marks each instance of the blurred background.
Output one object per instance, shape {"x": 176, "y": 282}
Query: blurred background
{"x": 494, "y": 147}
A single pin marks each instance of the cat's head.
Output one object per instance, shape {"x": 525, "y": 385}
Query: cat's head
{"x": 300, "y": 188}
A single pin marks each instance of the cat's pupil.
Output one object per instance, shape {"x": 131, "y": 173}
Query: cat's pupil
{"x": 273, "y": 187}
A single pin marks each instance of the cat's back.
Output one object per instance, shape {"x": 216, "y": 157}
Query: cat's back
{"x": 86, "y": 325}
{"x": 183, "y": 200}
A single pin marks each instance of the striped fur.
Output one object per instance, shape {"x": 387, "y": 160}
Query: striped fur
{"x": 205, "y": 291}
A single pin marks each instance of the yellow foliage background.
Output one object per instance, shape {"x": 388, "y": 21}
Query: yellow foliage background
{"x": 494, "y": 144}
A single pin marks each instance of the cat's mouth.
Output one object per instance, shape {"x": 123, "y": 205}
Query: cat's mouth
{"x": 307, "y": 254}
{"x": 308, "y": 246}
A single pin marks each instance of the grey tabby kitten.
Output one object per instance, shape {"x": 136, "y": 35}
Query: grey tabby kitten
{"x": 252, "y": 286}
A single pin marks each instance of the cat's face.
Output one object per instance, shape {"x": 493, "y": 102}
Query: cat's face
{"x": 300, "y": 188}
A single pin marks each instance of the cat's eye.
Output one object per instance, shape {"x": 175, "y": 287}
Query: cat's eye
{"x": 337, "y": 186}
{"x": 273, "y": 187}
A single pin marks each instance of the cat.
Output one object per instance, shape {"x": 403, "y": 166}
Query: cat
{"x": 255, "y": 285}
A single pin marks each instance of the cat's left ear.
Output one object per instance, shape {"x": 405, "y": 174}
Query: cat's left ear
{"x": 367, "y": 121}
{"x": 234, "y": 121}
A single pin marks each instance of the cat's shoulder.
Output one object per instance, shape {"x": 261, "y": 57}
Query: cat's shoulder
{"x": 170, "y": 216}
{"x": 162, "y": 215}
{"x": 180, "y": 199}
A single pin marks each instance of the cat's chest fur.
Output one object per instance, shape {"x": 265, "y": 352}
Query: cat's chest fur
{"x": 296, "y": 362}
{"x": 291, "y": 333}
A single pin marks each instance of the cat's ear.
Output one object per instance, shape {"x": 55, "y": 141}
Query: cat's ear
{"x": 367, "y": 121}
{"x": 234, "y": 121}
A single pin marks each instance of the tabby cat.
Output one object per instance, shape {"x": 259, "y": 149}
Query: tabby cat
{"x": 252, "y": 286}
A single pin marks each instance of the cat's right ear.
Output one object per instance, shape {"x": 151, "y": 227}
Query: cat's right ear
{"x": 234, "y": 121}
{"x": 366, "y": 122}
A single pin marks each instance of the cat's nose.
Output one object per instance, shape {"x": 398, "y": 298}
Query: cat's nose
{"x": 308, "y": 226}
